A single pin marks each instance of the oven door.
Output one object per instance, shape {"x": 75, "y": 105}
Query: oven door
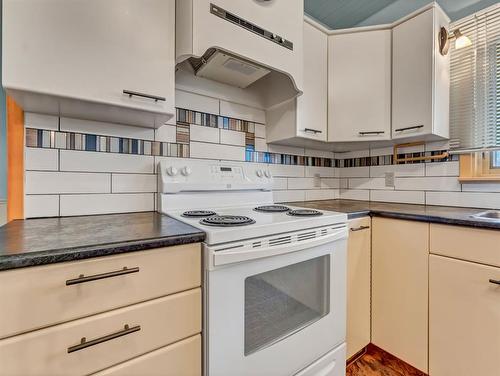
{"x": 276, "y": 315}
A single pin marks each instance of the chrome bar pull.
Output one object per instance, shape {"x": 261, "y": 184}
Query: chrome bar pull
{"x": 360, "y": 228}
{"x": 131, "y": 94}
{"x": 408, "y": 128}
{"x": 84, "y": 343}
{"x": 82, "y": 278}
{"x": 366, "y": 133}
{"x": 310, "y": 130}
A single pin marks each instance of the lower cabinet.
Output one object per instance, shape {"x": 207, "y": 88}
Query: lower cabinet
{"x": 358, "y": 285}
{"x": 464, "y": 303}
{"x": 400, "y": 256}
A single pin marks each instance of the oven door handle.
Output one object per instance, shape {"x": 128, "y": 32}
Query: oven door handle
{"x": 232, "y": 256}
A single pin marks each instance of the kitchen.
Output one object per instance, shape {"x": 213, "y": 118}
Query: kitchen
{"x": 250, "y": 187}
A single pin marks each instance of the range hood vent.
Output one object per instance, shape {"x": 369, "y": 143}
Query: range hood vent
{"x": 223, "y": 67}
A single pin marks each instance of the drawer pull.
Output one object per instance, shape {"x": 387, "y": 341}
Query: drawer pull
{"x": 360, "y": 228}
{"x": 82, "y": 279}
{"x": 408, "y": 128}
{"x": 495, "y": 281}
{"x": 365, "y": 133}
{"x": 131, "y": 93}
{"x": 84, "y": 343}
{"x": 310, "y": 130}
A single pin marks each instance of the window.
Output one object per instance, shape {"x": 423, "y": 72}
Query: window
{"x": 475, "y": 96}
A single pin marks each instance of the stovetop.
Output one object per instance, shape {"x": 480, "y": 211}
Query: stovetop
{"x": 251, "y": 223}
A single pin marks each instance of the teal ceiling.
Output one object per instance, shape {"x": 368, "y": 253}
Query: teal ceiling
{"x": 340, "y": 14}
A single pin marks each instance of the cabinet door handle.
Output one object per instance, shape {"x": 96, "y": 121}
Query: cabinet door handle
{"x": 310, "y": 130}
{"x": 84, "y": 343}
{"x": 360, "y": 228}
{"x": 82, "y": 279}
{"x": 370, "y": 132}
{"x": 495, "y": 281}
{"x": 408, "y": 128}
{"x": 131, "y": 93}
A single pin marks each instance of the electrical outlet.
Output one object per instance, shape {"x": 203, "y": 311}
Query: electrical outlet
{"x": 317, "y": 181}
{"x": 389, "y": 179}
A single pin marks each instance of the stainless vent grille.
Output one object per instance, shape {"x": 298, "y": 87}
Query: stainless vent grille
{"x": 222, "y": 13}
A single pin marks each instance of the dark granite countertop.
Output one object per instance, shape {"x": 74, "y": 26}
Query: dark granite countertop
{"x": 434, "y": 214}
{"x": 45, "y": 241}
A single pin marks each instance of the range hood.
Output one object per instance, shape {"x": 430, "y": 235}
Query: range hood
{"x": 254, "y": 45}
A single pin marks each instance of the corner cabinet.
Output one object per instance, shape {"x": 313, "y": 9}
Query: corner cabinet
{"x": 358, "y": 285}
{"x": 76, "y": 58}
{"x": 420, "y": 78}
{"x": 400, "y": 257}
{"x": 306, "y": 116}
{"x": 359, "y": 89}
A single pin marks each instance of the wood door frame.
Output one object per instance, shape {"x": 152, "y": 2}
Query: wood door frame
{"x": 15, "y": 161}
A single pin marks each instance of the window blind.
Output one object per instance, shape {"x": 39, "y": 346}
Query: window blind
{"x": 475, "y": 84}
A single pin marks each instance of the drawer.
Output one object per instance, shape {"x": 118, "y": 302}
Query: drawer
{"x": 471, "y": 244}
{"x": 180, "y": 359}
{"x": 151, "y": 325}
{"x": 37, "y": 297}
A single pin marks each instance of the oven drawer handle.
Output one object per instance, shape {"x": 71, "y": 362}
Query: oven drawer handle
{"x": 84, "y": 343}
{"x": 82, "y": 279}
{"x": 232, "y": 256}
{"x": 360, "y": 228}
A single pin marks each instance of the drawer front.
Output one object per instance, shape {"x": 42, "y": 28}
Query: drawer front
{"x": 180, "y": 359}
{"x": 464, "y": 318}
{"x": 149, "y": 275}
{"x": 52, "y": 351}
{"x": 471, "y": 244}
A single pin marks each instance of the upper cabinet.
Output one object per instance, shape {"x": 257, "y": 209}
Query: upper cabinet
{"x": 359, "y": 99}
{"x": 420, "y": 78}
{"x": 305, "y": 118}
{"x": 110, "y": 60}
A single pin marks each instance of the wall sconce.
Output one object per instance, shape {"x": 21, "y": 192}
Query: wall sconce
{"x": 461, "y": 40}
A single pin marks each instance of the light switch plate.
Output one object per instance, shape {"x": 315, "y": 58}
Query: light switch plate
{"x": 389, "y": 179}
{"x": 317, "y": 181}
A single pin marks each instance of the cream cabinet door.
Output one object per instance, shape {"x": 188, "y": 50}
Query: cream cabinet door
{"x": 88, "y": 52}
{"x": 359, "y": 89}
{"x": 312, "y": 105}
{"x": 400, "y": 257}
{"x": 464, "y": 318}
{"x": 358, "y": 285}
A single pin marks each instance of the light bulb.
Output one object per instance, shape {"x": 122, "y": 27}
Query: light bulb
{"x": 462, "y": 42}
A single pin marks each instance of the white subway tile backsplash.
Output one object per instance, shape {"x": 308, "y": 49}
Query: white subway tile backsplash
{"x": 196, "y": 102}
{"x": 280, "y": 183}
{"x": 287, "y": 170}
{"x": 304, "y": 183}
{"x": 217, "y": 151}
{"x": 133, "y": 183}
{"x": 229, "y": 137}
{"x": 354, "y": 194}
{"x": 106, "y": 129}
{"x": 398, "y": 170}
{"x": 288, "y": 196}
{"x": 204, "y": 134}
{"x": 40, "y": 121}
{"x": 481, "y": 187}
{"x": 427, "y": 184}
{"x": 355, "y": 172}
{"x": 166, "y": 133}
{"x": 106, "y": 203}
{"x": 36, "y": 206}
{"x": 41, "y": 159}
{"x": 47, "y": 182}
{"x": 319, "y": 153}
{"x": 87, "y": 161}
{"x": 442, "y": 169}
{"x": 466, "y": 199}
{"x": 242, "y": 112}
{"x": 368, "y": 183}
{"x": 260, "y": 131}
{"x": 260, "y": 144}
{"x": 330, "y": 183}
{"x": 323, "y": 194}
{"x": 321, "y": 171}
{"x": 408, "y": 197}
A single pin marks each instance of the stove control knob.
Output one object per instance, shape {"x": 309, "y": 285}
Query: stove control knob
{"x": 259, "y": 173}
{"x": 186, "y": 171}
{"x": 172, "y": 171}
{"x": 267, "y": 173}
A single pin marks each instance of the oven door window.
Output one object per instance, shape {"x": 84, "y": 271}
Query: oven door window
{"x": 283, "y": 301}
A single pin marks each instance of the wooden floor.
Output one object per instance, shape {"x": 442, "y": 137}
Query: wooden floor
{"x": 377, "y": 362}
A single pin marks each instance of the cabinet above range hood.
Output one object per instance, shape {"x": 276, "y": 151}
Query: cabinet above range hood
{"x": 255, "y": 45}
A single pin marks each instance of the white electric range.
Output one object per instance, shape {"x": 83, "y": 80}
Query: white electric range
{"x": 275, "y": 275}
